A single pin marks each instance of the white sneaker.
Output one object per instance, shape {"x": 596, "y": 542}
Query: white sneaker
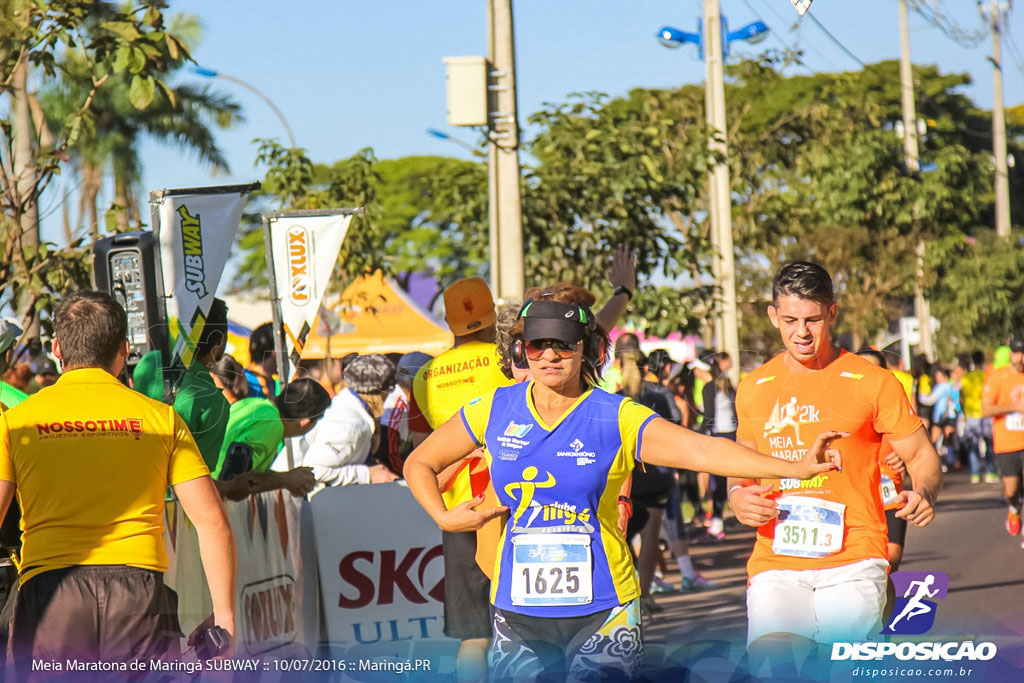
{"x": 717, "y": 527}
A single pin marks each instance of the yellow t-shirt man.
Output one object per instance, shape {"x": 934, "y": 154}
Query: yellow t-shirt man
{"x": 446, "y": 384}
{"x": 91, "y": 474}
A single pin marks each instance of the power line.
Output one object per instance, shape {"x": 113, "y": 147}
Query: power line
{"x": 1018, "y": 59}
{"x": 835, "y": 40}
{"x": 793, "y": 49}
{"x": 783, "y": 21}
{"x": 773, "y": 33}
{"x": 938, "y": 17}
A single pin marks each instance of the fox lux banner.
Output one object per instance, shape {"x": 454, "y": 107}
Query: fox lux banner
{"x": 277, "y": 612}
{"x": 196, "y": 230}
{"x": 304, "y": 249}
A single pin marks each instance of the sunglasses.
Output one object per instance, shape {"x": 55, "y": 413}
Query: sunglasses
{"x": 535, "y": 349}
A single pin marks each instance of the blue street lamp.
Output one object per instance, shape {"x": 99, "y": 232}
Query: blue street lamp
{"x": 713, "y": 50}
{"x": 441, "y": 135}
{"x": 753, "y": 32}
{"x": 210, "y": 73}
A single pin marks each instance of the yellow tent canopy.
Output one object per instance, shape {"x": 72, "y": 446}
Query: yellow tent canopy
{"x": 374, "y": 315}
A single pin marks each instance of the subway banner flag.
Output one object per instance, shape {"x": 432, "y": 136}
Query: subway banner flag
{"x": 196, "y": 230}
{"x": 305, "y": 246}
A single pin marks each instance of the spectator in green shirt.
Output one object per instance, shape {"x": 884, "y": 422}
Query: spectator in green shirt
{"x": 262, "y": 425}
{"x": 197, "y": 399}
{"x": 9, "y": 335}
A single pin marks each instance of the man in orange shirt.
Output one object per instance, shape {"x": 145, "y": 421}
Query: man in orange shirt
{"x": 1002, "y": 399}
{"x": 818, "y": 568}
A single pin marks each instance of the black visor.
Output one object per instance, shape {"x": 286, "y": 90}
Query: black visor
{"x": 554, "y": 320}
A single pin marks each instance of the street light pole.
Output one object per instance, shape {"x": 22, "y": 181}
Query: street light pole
{"x": 720, "y": 192}
{"x": 1002, "y": 180}
{"x": 210, "y": 73}
{"x": 922, "y": 308}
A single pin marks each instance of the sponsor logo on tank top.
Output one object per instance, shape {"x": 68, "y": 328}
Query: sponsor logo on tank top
{"x": 582, "y": 457}
{"x": 531, "y": 515}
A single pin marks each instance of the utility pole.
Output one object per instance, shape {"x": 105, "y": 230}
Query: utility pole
{"x": 1002, "y": 181}
{"x": 720, "y": 193}
{"x": 922, "y": 309}
{"x": 492, "y": 162}
{"x": 505, "y": 210}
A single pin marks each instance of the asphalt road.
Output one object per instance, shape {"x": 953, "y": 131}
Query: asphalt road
{"x": 967, "y": 541}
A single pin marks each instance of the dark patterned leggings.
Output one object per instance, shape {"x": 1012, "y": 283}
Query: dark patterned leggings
{"x": 606, "y": 646}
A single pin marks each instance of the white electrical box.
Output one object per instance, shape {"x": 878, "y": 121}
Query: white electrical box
{"x": 467, "y": 90}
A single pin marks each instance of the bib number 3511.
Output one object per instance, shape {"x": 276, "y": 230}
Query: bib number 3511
{"x": 551, "y": 569}
{"x": 808, "y": 527}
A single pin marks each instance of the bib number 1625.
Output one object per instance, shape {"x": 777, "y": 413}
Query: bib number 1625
{"x": 551, "y": 581}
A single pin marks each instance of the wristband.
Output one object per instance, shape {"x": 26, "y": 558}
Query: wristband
{"x": 623, "y": 289}
{"x": 628, "y": 503}
{"x": 731, "y": 489}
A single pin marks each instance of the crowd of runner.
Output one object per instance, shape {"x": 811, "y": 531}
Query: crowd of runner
{"x": 563, "y": 467}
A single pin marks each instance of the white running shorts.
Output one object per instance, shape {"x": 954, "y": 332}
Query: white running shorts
{"x": 825, "y": 605}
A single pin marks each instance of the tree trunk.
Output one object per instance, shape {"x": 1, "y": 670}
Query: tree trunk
{"x": 857, "y": 340}
{"x": 25, "y": 171}
{"x": 92, "y": 182}
{"x": 121, "y": 204}
{"x": 26, "y": 175}
{"x": 65, "y": 214}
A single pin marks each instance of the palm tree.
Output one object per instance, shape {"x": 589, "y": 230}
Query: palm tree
{"x": 110, "y": 144}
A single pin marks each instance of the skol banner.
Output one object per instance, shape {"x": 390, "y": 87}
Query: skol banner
{"x": 382, "y": 583}
{"x": 196, "y": 230}
{"x": 304, "y": 246}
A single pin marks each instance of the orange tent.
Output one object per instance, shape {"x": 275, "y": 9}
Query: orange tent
{"x": 374, "y": 315}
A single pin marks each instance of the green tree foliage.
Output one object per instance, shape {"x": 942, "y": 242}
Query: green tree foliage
{"x": 110, "y": 40}
{"x": 822, "y": 176}
{"x": 423, "y": 214}
{"x": 629, "y": 171}
{"x": 183, "y": 115}
{"x": 979, "y": 295}
{"x": 817, "y": 171}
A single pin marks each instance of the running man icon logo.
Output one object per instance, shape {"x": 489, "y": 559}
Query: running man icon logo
{"x": 576, "y": 445}
{"x": 914, "y": 613}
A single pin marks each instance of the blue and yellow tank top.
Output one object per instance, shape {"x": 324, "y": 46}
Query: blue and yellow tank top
{"x": 561, "y": 553}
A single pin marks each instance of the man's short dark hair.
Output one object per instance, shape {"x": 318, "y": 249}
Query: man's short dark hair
{"x": 261, "y": 342}
{"x": 215, "y": 329}
{"x": 91, "y": 327}
{"x": 302, "y": 398}
{"x": 804, "y": 280}
{"x": 978, "y": 359}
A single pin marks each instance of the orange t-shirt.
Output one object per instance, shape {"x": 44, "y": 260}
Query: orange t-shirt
{"x": 782, "y": 411}
{"x": 1003, "y": 387}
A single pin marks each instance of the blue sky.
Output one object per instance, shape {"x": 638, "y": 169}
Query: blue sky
{"x": 349, "y": 74}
